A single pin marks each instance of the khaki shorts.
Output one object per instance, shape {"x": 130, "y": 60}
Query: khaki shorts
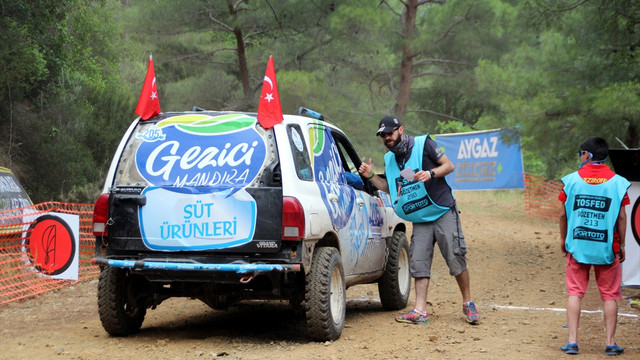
{"x": 447, "y": 233}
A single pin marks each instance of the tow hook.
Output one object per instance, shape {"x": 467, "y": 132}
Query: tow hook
{"x": 246, "y": 279}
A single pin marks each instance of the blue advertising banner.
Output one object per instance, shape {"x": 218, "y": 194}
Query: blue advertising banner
{"x": 483, "y": 160}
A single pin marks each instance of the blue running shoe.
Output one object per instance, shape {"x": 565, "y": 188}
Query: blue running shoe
{"x": 613, "y": 350}
{"x": 570, "y": 348}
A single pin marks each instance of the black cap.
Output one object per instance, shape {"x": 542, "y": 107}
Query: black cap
{"x": 388, "y": 124}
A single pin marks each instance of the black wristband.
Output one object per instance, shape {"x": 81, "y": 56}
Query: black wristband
{"x": 433, "y": 173}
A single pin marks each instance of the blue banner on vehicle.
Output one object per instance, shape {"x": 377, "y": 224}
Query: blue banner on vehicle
{"x": 483, "y": 160}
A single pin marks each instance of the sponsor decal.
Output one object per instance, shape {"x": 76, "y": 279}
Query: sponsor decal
{"x": 376, "y": 218}
{"x": 330, "y": 177}
{"x": 584, "y": 233}
{"x": 635, "y": 219}
{"x": 416, "y": 205}
{"x": 592, "y": 202}
{"x": 152, "y": 133}
{"x": 52, "y": 245}
{"x": 357, "y": 231}
{"x": 198, "y": 166}
{"x": 477, "y": 147}
{"x": 470, "y": 151}
{"x": 483, "y": 159}
{"x": 202, "y": 153}
{"x": 297, "y": 140}
{"x": 197, "y": 222}
{"x": 385, "y": 199}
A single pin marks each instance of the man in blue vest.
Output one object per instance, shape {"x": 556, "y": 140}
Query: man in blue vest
{"x": 592, "y": 231}
{"x": 415, "y": 168}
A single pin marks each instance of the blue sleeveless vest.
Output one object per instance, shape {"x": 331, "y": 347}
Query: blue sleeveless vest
{"x": 592, "y": 211}
{"x": 410, "y": 198}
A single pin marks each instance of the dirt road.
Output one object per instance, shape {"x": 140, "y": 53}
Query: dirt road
{"x": 517, "y": 277}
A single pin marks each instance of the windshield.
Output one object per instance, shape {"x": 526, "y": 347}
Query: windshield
{"x": 12, "y": 195}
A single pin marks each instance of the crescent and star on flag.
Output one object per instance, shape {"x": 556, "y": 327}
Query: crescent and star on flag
{"x": 154, "y": 94}
{"x": 269, "y": 96}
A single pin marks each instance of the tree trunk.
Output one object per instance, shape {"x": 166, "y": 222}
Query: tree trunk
{"x": 240, "y": 51}
{"x": 242, "y": 62}
{"x": 406, "y": 67}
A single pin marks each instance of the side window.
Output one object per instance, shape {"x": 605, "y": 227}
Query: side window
{"x": 349, "y": 157}
{"x": 300, "y": 153}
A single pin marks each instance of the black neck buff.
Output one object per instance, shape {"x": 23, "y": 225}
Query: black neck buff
{"x": 403, "y": 147}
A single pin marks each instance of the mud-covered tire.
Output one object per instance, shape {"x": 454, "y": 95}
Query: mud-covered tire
{"x": 325, "y": 295}
{"x": 121, "y": 309}
{"x": 395, "y": 284}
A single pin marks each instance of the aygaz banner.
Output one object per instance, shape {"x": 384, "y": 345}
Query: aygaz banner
{"x": 484, "y": 160}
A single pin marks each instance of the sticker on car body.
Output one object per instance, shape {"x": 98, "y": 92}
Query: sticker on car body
{"x": 330, "y": 178}
{"x": 198, "y": 166}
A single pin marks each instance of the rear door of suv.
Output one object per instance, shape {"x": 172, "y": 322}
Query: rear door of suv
{"x": 196, "y": 182}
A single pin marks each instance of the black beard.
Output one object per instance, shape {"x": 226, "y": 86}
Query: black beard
{"x": 402, "y": 145}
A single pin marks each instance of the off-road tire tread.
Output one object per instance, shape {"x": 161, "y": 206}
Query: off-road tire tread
{"x": 320, "y": 325}
{"x": 111, "y": 298}
{"x": 389, "y": 286}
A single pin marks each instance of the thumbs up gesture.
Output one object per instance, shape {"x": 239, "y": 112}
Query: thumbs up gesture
{"x": 365, "y": 169}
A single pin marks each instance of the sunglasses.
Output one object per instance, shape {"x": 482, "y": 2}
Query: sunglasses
{"x": 582, "y": 152}
{"x": 385, "y": 134}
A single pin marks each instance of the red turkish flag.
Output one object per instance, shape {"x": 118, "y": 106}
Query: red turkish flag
{"x": 149, "y": 104}
{"x": 269, "y": 109}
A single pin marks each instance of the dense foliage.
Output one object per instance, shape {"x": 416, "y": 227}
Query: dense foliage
{"x": 72, "y": 70}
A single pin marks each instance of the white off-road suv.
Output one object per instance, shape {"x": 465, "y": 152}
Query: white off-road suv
{"x": 210, "y": 205}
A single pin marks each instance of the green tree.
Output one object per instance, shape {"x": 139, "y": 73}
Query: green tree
{"x": 220, "y": 50}
{"x": 577, "y": 78}
{"x": 60, "y": 64}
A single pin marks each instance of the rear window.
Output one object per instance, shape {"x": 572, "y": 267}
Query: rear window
{"x": 208, "y": 151}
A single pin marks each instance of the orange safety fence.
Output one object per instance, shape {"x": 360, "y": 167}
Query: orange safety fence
{"x": 541, "y": 197}
{"x": 21, "y": 273}
{"x": 21, "y": 276}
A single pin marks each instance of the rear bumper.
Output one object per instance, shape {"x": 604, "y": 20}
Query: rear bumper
{"x": 239, "y": 268}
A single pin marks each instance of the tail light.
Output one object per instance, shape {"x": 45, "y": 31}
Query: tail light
{"x": 292, "y": 219}
{"x": 101, "y": 215}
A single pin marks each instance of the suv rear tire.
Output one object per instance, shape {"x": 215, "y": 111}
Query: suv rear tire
{"x": 325, "y": 295}
{"x": 121, "y": 310}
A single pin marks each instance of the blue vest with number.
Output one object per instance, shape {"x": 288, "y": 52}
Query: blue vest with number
{"x": 592, "y": 211}
{"x": 410, "y": 198}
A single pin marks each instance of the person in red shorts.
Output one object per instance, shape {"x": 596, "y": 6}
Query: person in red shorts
{"x": 592, "y": 231}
